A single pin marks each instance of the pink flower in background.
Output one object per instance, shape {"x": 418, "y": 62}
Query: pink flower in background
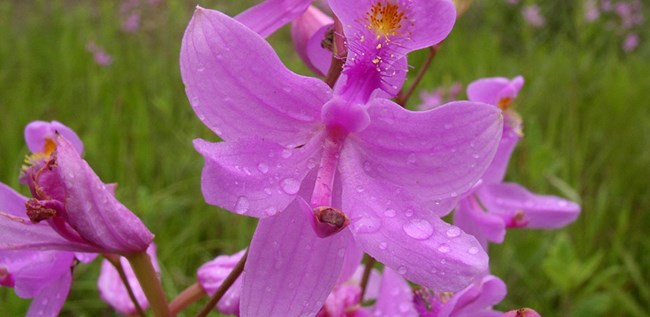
{"x": 512, "y": 2}
{"x": 439, "y": 96}
{"x": 309, "y": 160}
{"x": 522, "y": 312}
{"x": 495, "y": 205}
{"x": 591, "y": 10}
{"x": 475, "y": 300}
{"x": 213, "y": 273}
{"x": 631, "y": 42}
{"x": 70, "y": 209}
{"x": 112, "y": 289}
{"x": 308, "y": 33}
{"x": 99, "y": 54}
{"x": 533, "y": 16}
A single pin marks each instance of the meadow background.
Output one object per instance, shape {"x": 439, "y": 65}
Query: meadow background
{"x": 585, "y": 107}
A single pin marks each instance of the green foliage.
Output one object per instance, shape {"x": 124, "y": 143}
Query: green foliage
{"x": 587, "y": 137}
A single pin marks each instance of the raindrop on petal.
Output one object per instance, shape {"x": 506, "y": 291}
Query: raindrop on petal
{"x": 473, "y": 250}
{"x": 419, "y": 229}
{"x": 263, "y": 167}
{"x": 390, "y": 212}
{"x": 242, "y": 205}
{"x": 453, "y": 232}
{"x": 444, "y": 249}
{"x": 402, "y": 270}
{"x": 290, "y": 185}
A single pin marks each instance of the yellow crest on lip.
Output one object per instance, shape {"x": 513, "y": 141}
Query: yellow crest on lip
{"x": 385, "y": 19}
{"x": 504, "y": 103}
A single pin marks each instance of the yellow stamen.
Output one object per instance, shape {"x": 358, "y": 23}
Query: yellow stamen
{"x": 385, "y": 19}
{"x": 504, "y": 103}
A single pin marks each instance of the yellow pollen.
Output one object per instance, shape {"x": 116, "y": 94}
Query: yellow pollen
{"x": 385, "y": 19}
{"x": 504, "y": 103}
{"x": 49, "y": 147}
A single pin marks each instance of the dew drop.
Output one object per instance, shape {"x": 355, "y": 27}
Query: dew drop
{"x": 263, "y": 168}
{"x": 311, "y": 163}
{"x": 341, "y": 252}
{"x": 200, "y": 69}
{"x": 418, "y": 229}
{"x": 476, "y": 156}
{"x": 389, "y": 212}
{"x": 453, "y": 232}
{"x": 408, "y": 212}
{"x": 268, "y": 191}
{"x": 447, "y": 126}
{"x": 360, "y": 189}
{"x": 286, "y": 153}
{"x": 411, "y": 159}
{"x": 271, "y": 211}
{"x": 383, "y": 245}
{"x": 402, "y": 270}
{"x": 444, "y": 249}
{"x": 242, "y": 205}
{"x": 201, "y": 117}
{"x": 367, "y": 225}
{"x": 472, "y": 250}
{"x": 290, "y": 186}
{"x": 454, "y": 194}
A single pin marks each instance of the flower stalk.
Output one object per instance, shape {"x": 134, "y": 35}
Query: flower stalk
{"x": 190, "y": 295}
{"x": 115, "y": 261}
{"x": 403, "y": 98}
{"x": 370, "y": 263}
{"x": 148, "y": 278}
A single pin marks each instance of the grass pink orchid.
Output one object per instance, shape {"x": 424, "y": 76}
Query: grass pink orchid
{"x": 494, "y": 205}
{"x": 70, "y": 209}
{"x": 308, "y": 160}
{"x": 212, "y": 274}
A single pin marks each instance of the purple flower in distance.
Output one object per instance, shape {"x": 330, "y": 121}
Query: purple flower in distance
{"x": 439, "y": 96}
{"x": 309, "y": 35}
{"x": 70, "y": 209}
{"x": 99, "y": 54}
{"x": 112, "y": 289}
{"x": 475, "y": 300}
{"x": 494, "y": 205}
{"x": 308, "y": 160}
{"x": 631, "y": 42}
{"x": 533, "y": 16}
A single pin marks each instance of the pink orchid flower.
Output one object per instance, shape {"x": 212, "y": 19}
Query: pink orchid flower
{"x": 494, "y": 205}
{"x": 212, "y": 274}
{"x": 309, "y": 161}
{"x": 309, "y": 33}
{"x": 112, "y": 289}
{"x": 70, "y": 209}
{"x": 475, "y": 300}
{"x": 522, "y": 312}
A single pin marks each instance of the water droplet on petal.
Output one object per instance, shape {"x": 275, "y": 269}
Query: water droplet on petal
{"x": 408, "y": 212}
{"x": 390, "y": 212}
{"x": 473, "y": 250}
{"x": 383, "y": 245}
{"x": 271, "y": 211}
{"x": 444, "y": 249}
{"x": 453, "y": 232}
{"x": 402, "y": 270}
{"x": 448, "y": 126}
{"x": 419, "y": 229}
{"x": 411, "y": 159}
{"x": 454, "y": 195}
{"x": 286, "y": 153}
{"x": 366, "y": 225}
{"x": 263, "y": 168}
{"x": 311, "y": 163}
{"x": 268, "y": 191}
{"x": 360, "y": 189}
{"x": 290, "y": 185}
{"x": 242, "y": 205}
{"x": 476, "y": 156}
{"x": 341, "y": 252}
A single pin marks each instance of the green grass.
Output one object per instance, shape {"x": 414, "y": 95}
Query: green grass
{"x": 587, "y": 136}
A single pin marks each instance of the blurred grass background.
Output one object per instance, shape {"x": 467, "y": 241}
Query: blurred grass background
{"x": 587, "y": 137}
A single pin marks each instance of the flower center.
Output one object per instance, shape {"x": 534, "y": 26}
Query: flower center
{"x": 385, "y": 19}
{"x": 504, "y": 103}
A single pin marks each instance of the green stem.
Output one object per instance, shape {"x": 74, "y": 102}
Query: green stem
{"x": 117, "y": 264}
{"x": 186, "y": 298}
{"x": 225, "y": 285}
{"x": 148, "y": 278}
{"x": 370, "y": 262}
{"x": 403, "y": 98}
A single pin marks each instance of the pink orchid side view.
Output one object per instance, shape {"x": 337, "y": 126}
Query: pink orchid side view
{"x": 308, "y": 160}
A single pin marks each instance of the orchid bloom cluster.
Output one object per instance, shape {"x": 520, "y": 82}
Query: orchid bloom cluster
{"x": 624, "y": 17}
{"x": 334, "y": 169}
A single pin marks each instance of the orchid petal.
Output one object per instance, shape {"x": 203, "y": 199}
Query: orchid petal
{"x": 290, "y": 271}
{"x": 425, "y": 22}
{"x": 43, "y": 268}
{"x": 254, "y": 177}
{"x": 212, "y": 274}
{"x": 92, "y": 209}
{"x": 36, "y": 132}
{"x": 238, "y": 101}
{"x": 18, "y": 233}
{"x": 318, "y": 58}
{"x": 50, "y": 300}
{"x": 522, "y": 312}
{"x": 483, "y": 225}
{"x": 492, "y": 90}
{"x": 353, "y": 256}
{"x": 395, "y": 296}
{"x": 270, "y": 15}
{"x": 476, "y": 298}
{"x": 439, "y": 153}
{"x": 415, "y": 243}
{"x": 497, "y": 169}
{"x": 11, "y": 202}
{"x": 512, "y": 201}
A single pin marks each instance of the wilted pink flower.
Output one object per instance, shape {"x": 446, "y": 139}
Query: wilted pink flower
{"x": 631, "y": 42}
{"x": 493, "y": 205}
{"x": 533, "y": 16}
{"x": 99, "y": 54}
{"x": 301, "y": 155}
{"x": 113, "y": 291}
{"x": 70, "y": 209}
